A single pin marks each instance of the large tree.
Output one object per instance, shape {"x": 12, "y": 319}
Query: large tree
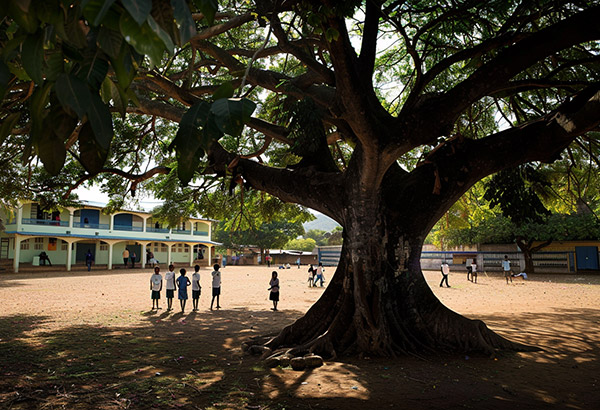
{"x": 378, "y": 114}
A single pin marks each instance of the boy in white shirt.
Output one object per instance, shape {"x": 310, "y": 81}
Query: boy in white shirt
{"x": 196, "y": 288}
{"x": 171, "y": 286}
{"x": 474, "y": 271}
{"x": 216, "y": 286}
{"x": 156, "y": 287}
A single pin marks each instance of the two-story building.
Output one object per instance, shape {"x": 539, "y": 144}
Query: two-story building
{"x": 66, "y": 236}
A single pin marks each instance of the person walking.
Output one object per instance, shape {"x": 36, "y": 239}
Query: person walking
{"x": 445, "y": 272}
{"x": 125, "y": 257}
{"x": 320, "y": 276}
{"x": 274, "y": 288}
{"x": 133, "y": 257}
{"x": 311, "y": 275}
{"x": 216, "y": 286}
{"x": 89, "y": 259}
{"x": 474, "y": 271}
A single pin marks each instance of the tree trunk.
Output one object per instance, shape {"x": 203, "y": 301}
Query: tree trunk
{"x": 378, "y": 302}
{"x": 528, "y": 251}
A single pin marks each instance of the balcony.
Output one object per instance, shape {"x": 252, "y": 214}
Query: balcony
{"x": 157, "y": 230}
{"x": 88, "y": 225}
{"x": 201, "y": 233}
{"x": 181, "y": 232}
{"x": 129, "y": 228}
{"x": 47, "y": 222}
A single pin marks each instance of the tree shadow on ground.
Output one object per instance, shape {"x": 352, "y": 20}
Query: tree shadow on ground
{"x": 194, "y": 360}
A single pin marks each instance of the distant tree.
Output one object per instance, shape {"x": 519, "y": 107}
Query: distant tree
{"x": 306, "y": 245}
{"x": 318, "y": 235}
{"x": 336, "y": 236}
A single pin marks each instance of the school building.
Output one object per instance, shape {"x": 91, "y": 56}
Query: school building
{"x": 65, "y": 236}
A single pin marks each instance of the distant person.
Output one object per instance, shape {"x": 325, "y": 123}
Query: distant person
{"x": 445, "y": 272}
{"x": 311, "y": 275}
{"x": 44, "y": 258}
{"x": 125, "y": 257}
{"x": 89, "y": 259}
{"x": 274, "y": 288}
{"x": 298, "y": 262}
{"x": 287, "y": 266}
{"x": 133, "y": 258}
{"x": 506, "y": 269}
{"x": 216, "y": 286}
{"x": 224, "y": 261}
{"x": 517, "y": 275}
{"x": 268, "y": 258}
{"x": 469, "y": 266}
{"x": 171, "y": 286}
{"x": 196, "y": 288}
{"x": 474, "y": 272}
{"x": 156, "y": 287}
{"x": 182, "y": 283}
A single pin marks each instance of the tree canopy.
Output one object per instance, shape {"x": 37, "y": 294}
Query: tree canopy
{"x": 379, "y": 114}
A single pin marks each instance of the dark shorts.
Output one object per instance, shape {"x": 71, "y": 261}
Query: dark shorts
{"x": 507, "y": 273}
{"x": 274, "y": 296}
{"x": 216, "y": 291}
{"x": 155, "y": 294}
{"x": 170, "y": 293}
{"x": 195, "y": 294}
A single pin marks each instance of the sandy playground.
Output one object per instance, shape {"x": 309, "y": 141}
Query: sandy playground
{"x": 79, "y": 340}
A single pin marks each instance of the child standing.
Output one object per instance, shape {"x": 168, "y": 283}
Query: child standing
{"x": 196, "y": 288}
{"x": 274, "y": 288}
{"x": 171, "y": 286}
{"x": 216, "y": 286}
{"x": 156, "y": 287}
{"x": 474, "y": 271}
{"x": 311, "y": 275}
{"x": 182, "y": 283}
{"x": 506, "y": 269}
{"x": 445, "y": 271}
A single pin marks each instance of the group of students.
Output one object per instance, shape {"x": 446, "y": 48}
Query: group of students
{"x": 181, "y": 284}
{"x": 472, "y": 272}
{"x": 316, "y": 275}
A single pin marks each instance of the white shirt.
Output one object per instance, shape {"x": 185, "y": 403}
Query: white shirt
{"x": 195, "y": 281}
{"x": 170, "y": 279}
{"x": 274, "y": 285}
{"x": 473, "y": 267}
{"x": 506, "y": 265}
{"x": 156, "y": 281}
{"x": 216, "y": 282}
{"x": 445, "y": 268}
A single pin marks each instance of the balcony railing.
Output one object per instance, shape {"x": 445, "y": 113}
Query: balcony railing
{"x": 182, "y": 232}
{"x": 128, "y": 228}
{"x": 201, "y": 233}
{"x": 48, "y": 222}
{"x": 89, "y": 225}
{"x": 158, "y": 230}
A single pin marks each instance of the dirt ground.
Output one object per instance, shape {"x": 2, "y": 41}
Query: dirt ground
{"x": 90, "y": 341}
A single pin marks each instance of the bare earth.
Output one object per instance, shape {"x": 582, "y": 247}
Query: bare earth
{"x": 194, "y": 360}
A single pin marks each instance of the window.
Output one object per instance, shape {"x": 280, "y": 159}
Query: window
{"x": 64, "y": 246}
{"x": 39, "y": 244}
{"x": 163, "y": 248}
{"x": 103, "y": 246}
{"x": 25, "y": 245}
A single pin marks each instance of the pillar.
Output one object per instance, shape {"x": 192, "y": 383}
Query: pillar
{"x": 69, "y": 255}
{"x": 144, "y": 255}
{"x": 169, "y": 254}
{"x": 112, "y": 222}
{"x": 144, "y": 224}
{"x": 191, "y": 245}
{"x": 210, "y": 248}
{"x": 110, "y": 255}
{"x": 19, "y": 221}
{"x": 17, "y": 253}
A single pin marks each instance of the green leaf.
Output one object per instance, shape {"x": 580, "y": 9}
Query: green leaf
{"x": 231, "y": 114}
{"x": 73, "y": 93}
{"x": 95, "y": 10}
{"x": 37, "y": 109}
{"x": 185, "y": 21}
{"x": 110, "y": 42}
{"x": 124, "y": 67}
{"x": 138, "y": 9}
{"x": 162, "y": 34}
{"x": 110, "y": 92}
{"x": 94, "y": 70}
{"x": 25, "y": 17}
{"x": 5, "y": 77}
{"x": 32, "y": 56}
{"x": 226, "y": 90}
{"x": 50, "y": 148}
{"x": 91, "y": 155}
{"x": 143, "y": 39}
{"x": 75, "y": 37}
{"x": 49, "y": 11}
{"x": 54, "y": 64}
{"x": 7, "y": 125}
{"x": 187, "y": 141}
{"x": 101, "y": 121}
{"x": 208, "y": 8}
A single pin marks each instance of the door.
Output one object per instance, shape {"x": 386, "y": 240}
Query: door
{"x": 587, "y": 257}
{"x": 4, "y": 248}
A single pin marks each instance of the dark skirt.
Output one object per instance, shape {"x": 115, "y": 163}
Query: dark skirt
{"x": 155, "y": 294}
{"x": 170, "y": 293}
{"x": 216, "y": 291}
{"x": 182, "y": 294}
{"x": 274, "y": 296}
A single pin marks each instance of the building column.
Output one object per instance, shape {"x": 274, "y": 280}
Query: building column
{"x": 191, "y": 245}
{"x": 144, "y": 224}
{"x": 210, "y": 231}
{"x": 19, "y": 218}
{"x": 71, "y": 216}
{"x": 169, "y": 254}
{"x": 210, "y": 248}
{"x": 17, "y": 253}
{"x": 112, "y": 222}
{"x": 191, "y": 228}
{"x": 69, "y": 255}
{"x": 144, "y": 255}
{"x": 110, "y": 255}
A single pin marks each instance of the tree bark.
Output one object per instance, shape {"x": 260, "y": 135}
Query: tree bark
{"x": 528, "y": 251}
